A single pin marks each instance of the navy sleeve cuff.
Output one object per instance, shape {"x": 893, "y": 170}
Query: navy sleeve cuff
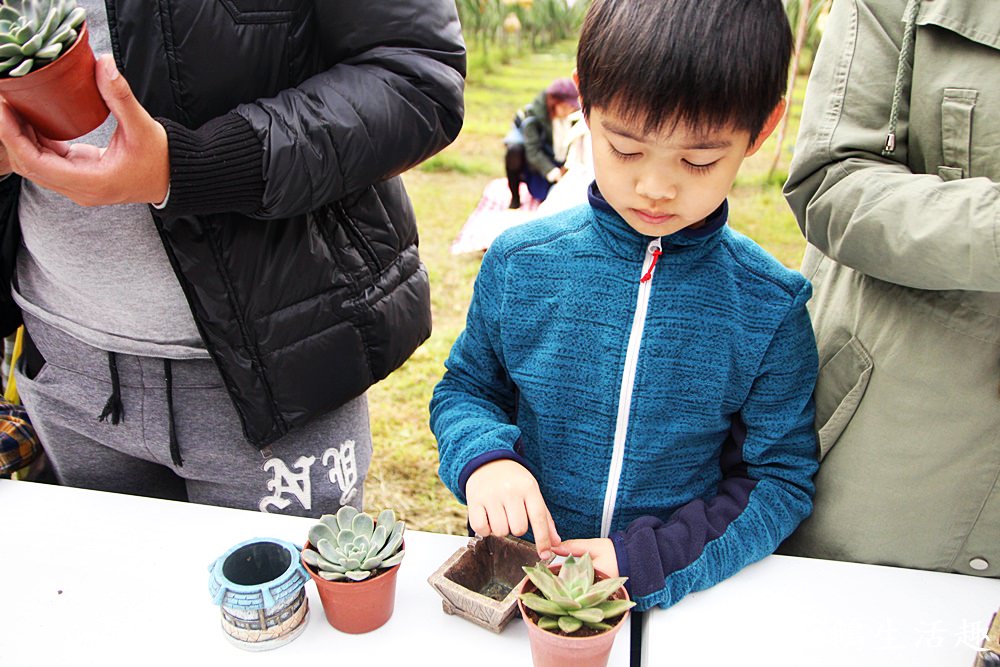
{"x": 483, "y": 459}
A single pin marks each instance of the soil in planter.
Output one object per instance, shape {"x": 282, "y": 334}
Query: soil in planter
{"x": 584, "y": 631}
{"x": 492, "y": 567}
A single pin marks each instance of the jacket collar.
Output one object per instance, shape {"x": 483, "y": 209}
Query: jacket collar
{"x": 627, "y": 242}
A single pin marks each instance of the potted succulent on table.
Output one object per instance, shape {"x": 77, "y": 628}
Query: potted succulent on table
{"x": 47, "y": 67}
{"x": 575, "y": 618}
{"x": 354, "y": 560}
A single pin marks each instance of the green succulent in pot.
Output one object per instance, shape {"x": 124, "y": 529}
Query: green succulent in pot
{"x": 33, "y": 33}
{"x": 573, "y": 599}
{"x": 351, "y": 545}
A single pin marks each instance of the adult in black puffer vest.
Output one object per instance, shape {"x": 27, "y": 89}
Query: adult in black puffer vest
{"x": 263, "y": 144}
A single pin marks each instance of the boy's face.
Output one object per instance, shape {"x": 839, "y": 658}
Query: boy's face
{"x": 663, "y": 182}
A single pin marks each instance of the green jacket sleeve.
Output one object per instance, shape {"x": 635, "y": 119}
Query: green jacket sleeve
{"x": 870, "y": 212}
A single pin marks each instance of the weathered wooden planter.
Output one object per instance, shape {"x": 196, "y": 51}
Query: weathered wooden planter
{"x": 480, "y": 581}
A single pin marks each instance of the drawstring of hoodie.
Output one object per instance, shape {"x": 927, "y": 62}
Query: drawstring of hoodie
{"x": 175, "y": 448}
{"x": 905, "y": 53}
{"x": 114, "y": 408}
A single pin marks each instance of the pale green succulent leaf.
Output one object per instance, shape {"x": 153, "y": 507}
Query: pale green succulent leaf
{"x": 31, "y": 47}
{"x": 591, "y": 614}
{"x": 351, "y": 563}
{"x": 363, "y": 525}
{"x": 345, "y": 517}
{"x": 49, "y": 52}
{"x": 358, "y": 575}
{"x": 10, "y": 62}
{"x": 371, "y": 563}
{"x": 321, "y": 531}
{"x": 333, "y": 576}
{"x": 600, "y": 591}
{"x": 378, "y": 541}
{"x": 23, "y": 68}
{"x": 577, "y": 573}
{"x": 7, "y": 14}
{"x": 50, "y": 23}
{"x": 541, "y": 605}
{"x": 75, "y": 17}
{"x": 548, "y": 623}
{"x": 598, "y": 626}
{"x": 550, "y": 586}
{"x": 393, "y": 541}
{"x": 310, "y": 557}
{"x": 387, "y": 519}
{"x": 10, "y": 49}
{"x": 328, "y": 551}
{"x": 569, "y": 624}
{"x": 615, "y": 608}
{"x": 22, "y": 33}
{"x": 394, "y": 559}
{"x": 345, "y": 538}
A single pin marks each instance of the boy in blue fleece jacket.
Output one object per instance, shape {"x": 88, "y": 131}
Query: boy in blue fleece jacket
{"x": 634, "y": 374}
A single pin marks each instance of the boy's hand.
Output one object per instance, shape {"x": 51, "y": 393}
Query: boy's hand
{"x": 504, "y": 498}
{"x": 601, "y": 550}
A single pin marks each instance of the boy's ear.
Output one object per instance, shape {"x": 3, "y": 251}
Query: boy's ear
{"x": 576, "y": 82}
{"x": 772, "y": 122}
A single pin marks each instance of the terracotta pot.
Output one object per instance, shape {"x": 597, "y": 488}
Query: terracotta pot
{"x": 549, "y": 649}
{"x": 357, "y": 607}
{"x": 60, "y": 100}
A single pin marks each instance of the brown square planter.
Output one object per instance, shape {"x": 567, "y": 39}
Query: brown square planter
{"x": 479, "y": 582}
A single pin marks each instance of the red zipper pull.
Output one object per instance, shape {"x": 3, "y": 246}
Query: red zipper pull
{"x": 656, "y": 256}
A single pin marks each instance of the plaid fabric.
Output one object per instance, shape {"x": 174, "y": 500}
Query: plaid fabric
{"x": 19, "y": 445}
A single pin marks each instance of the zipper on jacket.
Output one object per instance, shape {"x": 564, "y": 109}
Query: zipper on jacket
{"x": 653, "y": 252}
{"x": 361, "y": 243}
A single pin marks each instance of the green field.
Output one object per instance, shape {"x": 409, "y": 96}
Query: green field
{"x": 445, "y": 189}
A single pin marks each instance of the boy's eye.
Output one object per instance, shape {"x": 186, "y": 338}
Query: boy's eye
{"x": 623, "y": 156}
{"x": 699, "y": 168}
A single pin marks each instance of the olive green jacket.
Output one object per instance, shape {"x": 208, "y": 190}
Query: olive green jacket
{"x": 904, "y": 255}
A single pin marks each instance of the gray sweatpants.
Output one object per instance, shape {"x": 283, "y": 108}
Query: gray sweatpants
{"x": 313, "y": 470}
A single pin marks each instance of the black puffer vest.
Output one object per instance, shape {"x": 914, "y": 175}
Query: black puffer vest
{"x": 287, "y": 225}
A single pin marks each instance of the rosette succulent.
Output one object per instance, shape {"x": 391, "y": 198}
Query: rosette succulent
{"x": 33, "y": 33}
{"x": 573, "y": 599}
{"x": 350, "y": 545}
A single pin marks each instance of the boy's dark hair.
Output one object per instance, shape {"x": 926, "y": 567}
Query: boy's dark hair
{"x": 702, "y": 63}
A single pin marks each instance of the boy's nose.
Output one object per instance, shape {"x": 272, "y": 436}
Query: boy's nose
{"x": 655, "y": 187}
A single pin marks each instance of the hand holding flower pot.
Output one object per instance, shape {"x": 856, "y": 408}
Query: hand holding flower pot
{"x": 47, "y": 67}
{"x": 575, "y": 619}
{"x": 354, "y": 560}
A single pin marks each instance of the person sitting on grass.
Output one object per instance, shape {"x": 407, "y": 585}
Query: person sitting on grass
{"x": 634, "y": 374}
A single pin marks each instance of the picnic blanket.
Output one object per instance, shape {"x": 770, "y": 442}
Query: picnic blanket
{"x": 492, "y": 215}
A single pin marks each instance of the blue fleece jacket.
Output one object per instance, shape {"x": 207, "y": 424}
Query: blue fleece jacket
{"x": 693, "y": 448}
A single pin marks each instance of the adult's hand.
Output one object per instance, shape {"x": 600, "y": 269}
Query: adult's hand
{"x": 133, "y": 168}
{"x": 504, "y": 498}
{"x": 5, "y": 168}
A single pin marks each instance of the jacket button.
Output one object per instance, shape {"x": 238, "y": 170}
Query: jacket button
{"x": 979, "y": 564}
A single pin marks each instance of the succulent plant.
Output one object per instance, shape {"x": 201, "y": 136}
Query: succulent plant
{"x": 33, "y": 33}
{"x": 573, "y": 599}
{"x": 350, "y": 545}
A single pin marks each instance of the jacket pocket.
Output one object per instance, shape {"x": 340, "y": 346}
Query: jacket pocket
{"x": 262, "y": 11}
{"x": 957, "y": 107}
{"x": 841, "y": 385}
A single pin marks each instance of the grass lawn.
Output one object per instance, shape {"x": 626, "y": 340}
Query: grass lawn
{"x": 444, "y": 190}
